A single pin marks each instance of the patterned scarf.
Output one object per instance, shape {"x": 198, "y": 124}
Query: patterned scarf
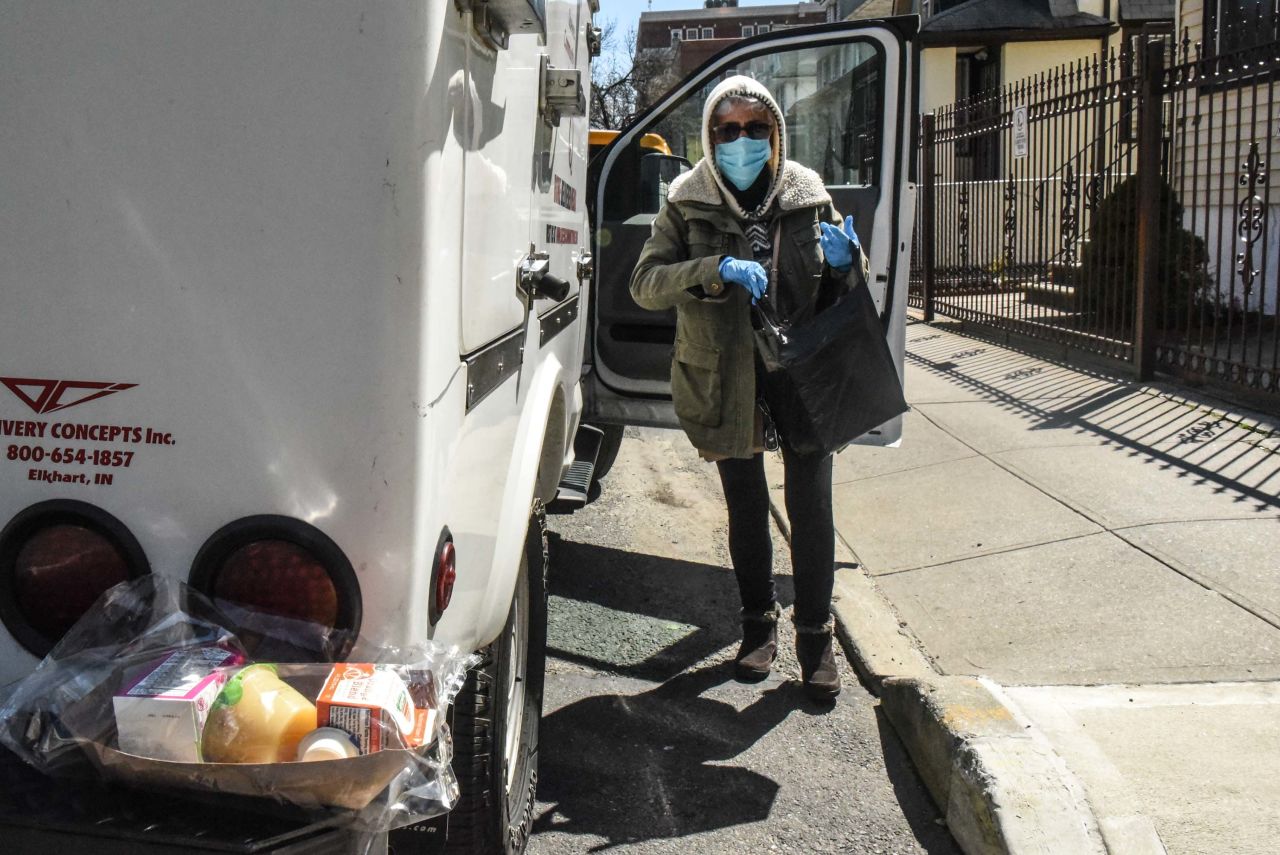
{"x": 761, "y": 245}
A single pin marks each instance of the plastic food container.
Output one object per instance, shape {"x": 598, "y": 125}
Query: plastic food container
{"x": 257, "y": 718}
{"x": 327, "y": 743}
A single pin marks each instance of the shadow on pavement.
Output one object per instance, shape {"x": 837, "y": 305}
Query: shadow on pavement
{"x": 665, "y": 745}
{"x": 641, "y": 766}
{"x": 638, "y": 615}
{"x": 910, "y": 791}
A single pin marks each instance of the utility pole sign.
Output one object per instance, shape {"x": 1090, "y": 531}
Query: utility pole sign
{"x": 1019, "y": 132}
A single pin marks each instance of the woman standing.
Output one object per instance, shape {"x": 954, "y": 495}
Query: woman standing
{"x": 743, "y": 218}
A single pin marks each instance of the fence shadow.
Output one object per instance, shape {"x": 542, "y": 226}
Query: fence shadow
{"x": 1226, "y": 453}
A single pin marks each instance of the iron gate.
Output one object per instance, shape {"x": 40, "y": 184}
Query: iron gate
{"x": 1121, "y": 206}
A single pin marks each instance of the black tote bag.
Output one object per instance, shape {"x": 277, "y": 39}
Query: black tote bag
{"x": 830, "y": 379}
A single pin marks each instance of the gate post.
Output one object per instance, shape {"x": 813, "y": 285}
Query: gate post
{"x": 927, "y": 211}
{"x": 1150, "y": 128}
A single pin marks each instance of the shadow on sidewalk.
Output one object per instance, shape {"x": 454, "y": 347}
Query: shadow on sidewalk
{"x": 1196, "y": 440}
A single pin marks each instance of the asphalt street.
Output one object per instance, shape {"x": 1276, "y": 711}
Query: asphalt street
{"x": 648, "y": 744}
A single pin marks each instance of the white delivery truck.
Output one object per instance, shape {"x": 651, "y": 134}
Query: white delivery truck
{"x": 299, "y": 306}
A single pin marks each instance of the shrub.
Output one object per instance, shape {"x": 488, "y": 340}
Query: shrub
{"x": 1107, "y": 279}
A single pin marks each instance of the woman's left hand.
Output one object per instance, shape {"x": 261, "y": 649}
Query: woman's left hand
{"x": 838, "y": 244}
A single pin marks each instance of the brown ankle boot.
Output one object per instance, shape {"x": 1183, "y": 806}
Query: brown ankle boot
{"x": 817, "y": 662}
{"x": 759, "y": 645}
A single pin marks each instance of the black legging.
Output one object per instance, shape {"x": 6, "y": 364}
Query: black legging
{"x": 808, "y": 501}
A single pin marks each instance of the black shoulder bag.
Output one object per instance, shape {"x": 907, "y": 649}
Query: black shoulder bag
{"x": 831, "y": 379}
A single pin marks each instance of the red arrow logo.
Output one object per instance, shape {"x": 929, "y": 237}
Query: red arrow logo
{"x": 49, "y": 396}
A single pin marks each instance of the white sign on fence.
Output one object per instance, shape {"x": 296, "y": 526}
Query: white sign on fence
{"x": 1019, "y": 132}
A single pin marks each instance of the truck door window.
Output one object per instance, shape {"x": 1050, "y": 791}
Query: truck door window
{"x": 831, "y": 97}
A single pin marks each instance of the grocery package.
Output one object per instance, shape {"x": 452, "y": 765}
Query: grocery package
{"x": 162, "y": 713}
{"x": 157, "y": 687}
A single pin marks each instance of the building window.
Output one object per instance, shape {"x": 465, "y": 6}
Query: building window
{"x": 1236, "y": 25}
{"x": 675, "y": 37}
{"x": 762, "y": 29}
{"x": 691, "y": 33}
{"x": 708, "y": 33}
{"x": 977, "y": 118}
{"x": 748, "y": 31}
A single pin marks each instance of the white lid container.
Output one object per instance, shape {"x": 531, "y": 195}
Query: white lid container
{"x": 327, "y": 743}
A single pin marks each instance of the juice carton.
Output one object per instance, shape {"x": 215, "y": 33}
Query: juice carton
{"x": 375, "y": 706}
{"x": 161, "y": 711}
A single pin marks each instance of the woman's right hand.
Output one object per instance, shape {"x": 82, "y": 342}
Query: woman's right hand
{"x": 748, "y": 274}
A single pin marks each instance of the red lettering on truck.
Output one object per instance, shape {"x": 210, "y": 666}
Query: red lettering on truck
{"x": 9, "y": 427}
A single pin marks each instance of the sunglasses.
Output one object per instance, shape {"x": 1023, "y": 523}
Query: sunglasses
{"x": 730, "y": 131}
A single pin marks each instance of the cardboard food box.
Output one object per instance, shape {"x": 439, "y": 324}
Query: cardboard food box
{"x": 161, "y": 711}
{"x": 350, "y": 783}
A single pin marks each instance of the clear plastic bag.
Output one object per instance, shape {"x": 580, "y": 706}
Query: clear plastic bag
{"x": 158, "y": 688}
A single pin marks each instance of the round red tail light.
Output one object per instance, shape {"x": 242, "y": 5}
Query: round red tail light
{"x": 282, "y": 567}
{"x": 60, "y": 571}
{"x": 279, "y": 578}
{"x": 56, "y": 559}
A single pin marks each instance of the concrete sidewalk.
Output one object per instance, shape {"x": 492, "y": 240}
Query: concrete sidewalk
{"x": 1105, "y": 556}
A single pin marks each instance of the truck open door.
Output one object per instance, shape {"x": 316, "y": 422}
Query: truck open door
{"x": 848, "y": 93}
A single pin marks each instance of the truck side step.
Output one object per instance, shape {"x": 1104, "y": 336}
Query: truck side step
{"x": 575, "y": 487}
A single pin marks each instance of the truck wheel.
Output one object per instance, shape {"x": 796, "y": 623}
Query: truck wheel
{"x": 609, "y": 446}
{"x": 496, "y": 720}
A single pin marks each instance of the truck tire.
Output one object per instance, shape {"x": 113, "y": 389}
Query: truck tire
{"x": 496, "y": 720}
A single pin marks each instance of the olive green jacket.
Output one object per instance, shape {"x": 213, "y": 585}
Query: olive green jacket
{"x": 713, "y": 382}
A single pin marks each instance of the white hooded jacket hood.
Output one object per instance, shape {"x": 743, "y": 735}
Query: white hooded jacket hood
{"x": 792, "y": 185}
{"x": 739, "y": 85}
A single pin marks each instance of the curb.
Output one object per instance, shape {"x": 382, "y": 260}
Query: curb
{"x": 1000, "y": 786}
{"x": 996, "y": 780}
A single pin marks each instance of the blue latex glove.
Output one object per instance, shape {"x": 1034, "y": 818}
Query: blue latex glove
{"x": 748, "y": 274}
{"x": 838, "y": 244}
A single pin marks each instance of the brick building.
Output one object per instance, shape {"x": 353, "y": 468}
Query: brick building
{"x": 688, "y": 37}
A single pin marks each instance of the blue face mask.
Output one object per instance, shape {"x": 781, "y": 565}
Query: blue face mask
{"x": 741, "y": 160}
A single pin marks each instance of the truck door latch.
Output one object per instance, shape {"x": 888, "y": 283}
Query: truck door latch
{"x": 561, "y": 94}
{"x": 534, "y": 279}
{"x": 586, "y": 267}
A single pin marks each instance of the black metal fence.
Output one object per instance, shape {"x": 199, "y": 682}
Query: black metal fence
{"x": 1121, "y": 206}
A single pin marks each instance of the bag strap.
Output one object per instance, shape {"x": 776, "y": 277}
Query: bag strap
{"x": 777, "y": 243}
{"x": 765, "y": 306}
